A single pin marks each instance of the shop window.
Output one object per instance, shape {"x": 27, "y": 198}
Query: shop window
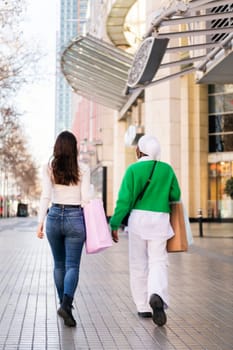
{"x": 221, "y": 123}
{"x": 220, "y": 88}
{"x": 219, "y": 203}
{"x": 221, "y": 143}
{"x": 220, "y": 118}
{"x": 99, "y": 181}
{"x": 221, "y": 103}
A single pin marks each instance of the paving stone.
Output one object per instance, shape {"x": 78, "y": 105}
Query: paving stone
{"x": 199, "y": 318}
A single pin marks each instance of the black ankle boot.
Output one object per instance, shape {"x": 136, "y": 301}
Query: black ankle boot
{"x": 65, "y": 311}
{"x": 157, "y": 304}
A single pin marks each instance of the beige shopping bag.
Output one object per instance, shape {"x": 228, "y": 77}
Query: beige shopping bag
{"x": 177, "y": 243}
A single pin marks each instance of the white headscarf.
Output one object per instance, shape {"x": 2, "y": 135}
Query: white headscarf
{"x": 150, "y": 146}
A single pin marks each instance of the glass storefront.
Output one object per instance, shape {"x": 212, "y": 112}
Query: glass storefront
{"x": 220, "y": 205}
{"x": 220, "y": 118}
{"x": 99, "y": 181}
{"x": 220, "y": 141}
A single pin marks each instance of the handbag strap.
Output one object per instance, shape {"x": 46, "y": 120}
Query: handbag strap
{"x": 141, "y": 194}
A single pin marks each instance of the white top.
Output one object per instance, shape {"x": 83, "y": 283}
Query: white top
{"x": 62, "y": 194}
{"x": 150, "y": 225}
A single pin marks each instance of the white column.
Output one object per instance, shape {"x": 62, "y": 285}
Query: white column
{"x": 163, "y": 108}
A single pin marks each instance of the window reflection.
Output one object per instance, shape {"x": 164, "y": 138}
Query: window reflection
{"x": 219, "y": 203}
{"x": 221, "y": 118}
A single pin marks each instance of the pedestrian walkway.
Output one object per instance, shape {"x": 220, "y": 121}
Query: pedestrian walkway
{"x": 201, "y": 293}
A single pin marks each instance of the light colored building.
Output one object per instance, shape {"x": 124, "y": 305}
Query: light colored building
{"x": 188, "y": 106}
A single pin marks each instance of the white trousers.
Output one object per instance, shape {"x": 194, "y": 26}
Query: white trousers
{"x": 148, "y": 264}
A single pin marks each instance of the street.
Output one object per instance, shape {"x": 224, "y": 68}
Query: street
{"x": 201, "y": 292}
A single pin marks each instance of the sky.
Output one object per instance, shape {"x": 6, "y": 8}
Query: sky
{"x": 37, "y": 100}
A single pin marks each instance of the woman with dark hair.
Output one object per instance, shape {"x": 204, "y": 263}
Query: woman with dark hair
{"x": 66, "y": 184}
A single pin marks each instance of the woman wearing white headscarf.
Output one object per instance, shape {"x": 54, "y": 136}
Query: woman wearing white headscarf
{"x": 148, "y": 227}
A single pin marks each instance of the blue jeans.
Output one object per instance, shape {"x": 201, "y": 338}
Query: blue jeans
{"x": 65, "y": 230}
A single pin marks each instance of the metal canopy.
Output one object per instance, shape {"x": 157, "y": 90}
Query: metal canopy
{"x": 200, "y": 34}
{"x": 97, "y": 70}
{"x": 220, "y": 72}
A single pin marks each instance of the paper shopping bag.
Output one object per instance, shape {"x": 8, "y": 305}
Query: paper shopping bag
{"x": 98, "y": 235}
{"x": 178, "y": 243}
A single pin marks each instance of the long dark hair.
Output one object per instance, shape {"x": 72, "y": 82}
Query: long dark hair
{"x": 65, "y": 169}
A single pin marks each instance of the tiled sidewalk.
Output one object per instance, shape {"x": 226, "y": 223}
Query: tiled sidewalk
{"x": 201, "y": 290}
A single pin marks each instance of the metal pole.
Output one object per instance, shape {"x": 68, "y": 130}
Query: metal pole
{"x": 200, "y": 221}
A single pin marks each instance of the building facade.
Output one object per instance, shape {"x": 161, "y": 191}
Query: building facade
{"x": 192, "y": 119}
{"x": 220, "y": 152}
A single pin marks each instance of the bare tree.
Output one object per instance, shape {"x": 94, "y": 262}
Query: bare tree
{"x": 18, "y": 60}
{"x": 11, "y": 10}
{"x": 14, "y": 153}
{"x": 18, "y": 63}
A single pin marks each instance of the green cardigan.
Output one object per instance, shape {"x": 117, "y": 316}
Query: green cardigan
{"x": 163, "y": 188}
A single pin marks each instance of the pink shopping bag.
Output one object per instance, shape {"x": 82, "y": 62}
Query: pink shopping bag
{"x": 98, "y": 235}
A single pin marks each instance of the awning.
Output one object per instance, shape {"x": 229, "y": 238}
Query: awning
{"x": 200, "y": 34}
{"x": 98, "y": 71}
{"x": 218, "y": 70}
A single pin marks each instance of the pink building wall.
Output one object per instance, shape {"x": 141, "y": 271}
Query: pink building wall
{"x": 86, "y": 125}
